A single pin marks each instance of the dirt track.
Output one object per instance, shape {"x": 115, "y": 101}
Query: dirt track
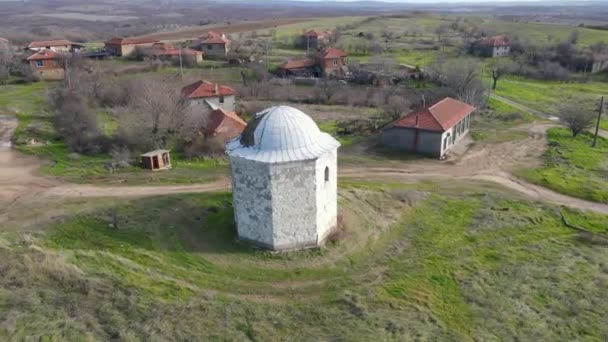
{"x": 20, "y": 184}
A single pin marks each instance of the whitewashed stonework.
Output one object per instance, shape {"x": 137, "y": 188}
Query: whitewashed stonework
{"x": 284, "y": 181}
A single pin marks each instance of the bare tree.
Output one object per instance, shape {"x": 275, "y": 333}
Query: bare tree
{"x": 396, "y": 106}
{"x": 325, "y": 90}
{"x": 6, "y": 57}
{"x": 575, "y": 114}
{"x": 441, "y": 30}
{"x": 462, "y": 77}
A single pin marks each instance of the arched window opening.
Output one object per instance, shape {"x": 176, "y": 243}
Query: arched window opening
{"x": 327, "y": 173}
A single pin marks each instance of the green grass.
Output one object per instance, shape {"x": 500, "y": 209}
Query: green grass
{"x": 430, "y": 261}
{"x": 498, "y": 122}
{"x": 546, "y": 96}
{"x": 573, "y": 167}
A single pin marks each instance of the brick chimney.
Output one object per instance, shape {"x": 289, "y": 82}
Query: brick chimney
{"x": 217, "y": 91}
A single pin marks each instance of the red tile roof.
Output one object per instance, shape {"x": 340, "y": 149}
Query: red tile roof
{"x": 125, "y": 41}
{"x": 225, "y": 124}
{"x": 166, "y": 49}
{"x": 215, "y": 40}
{"x": 202, "y": 89}
{"x": 211, "y": 34}
{"x": 332, "y": 53}
{"x": 495, "y": 41}
{"x": 297, "y": 64}
{"x": 440, "y": 117}
{"x": 45, "y": 54}
{"x": 49, "y": 43}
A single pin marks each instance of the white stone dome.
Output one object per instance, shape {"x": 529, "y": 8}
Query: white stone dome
{"x": 281, "y": 134}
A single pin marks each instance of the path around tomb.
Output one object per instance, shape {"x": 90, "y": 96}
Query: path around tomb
{"x": 20, "y": 184}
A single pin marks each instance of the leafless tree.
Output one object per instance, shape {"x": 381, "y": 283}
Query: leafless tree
{"x": 462, "y": 77}
{"x": 576, "y": 114}
{"x": 6, "y": 57}
{"x": 396, "y": 106}
{"x": 441, "y": 30}
{"x": 325, "y": 90}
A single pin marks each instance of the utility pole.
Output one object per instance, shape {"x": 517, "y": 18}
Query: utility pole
{"x": 599, "y": 118}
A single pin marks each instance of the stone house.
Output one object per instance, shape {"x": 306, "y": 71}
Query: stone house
{"x": 127, "y": 46}
{"x": 305, "y": 67}
{"x": 210, "y": 95}
{"x": 330, "y": 62}
{"x": 599, "y": 62}
{"x": 314, "y": 40}
{"x": 431, "y": 130}
{"x": 496, "y": 46}
{"x": 62, "y": 45}
{"x": 47, "y": 65}
{"x": 284, "y": 181}
{"x": 214, "y": 44}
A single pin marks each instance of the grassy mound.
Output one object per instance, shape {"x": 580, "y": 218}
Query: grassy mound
{"x": 410, "y": 263}
{"x": 573, "y": 167}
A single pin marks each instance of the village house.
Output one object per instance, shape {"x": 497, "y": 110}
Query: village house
{"x": 55, "y": 45}
{"x": 284, "y": 181}
{"x": 431, "y": 130}
{"x": 496, "y": 46}
{"x": 47, "y": 65}
{"x": 210, "y": 95}
{"x": 166, "y": 51}
{"x": 314, "y": 40}
{"x": 224, "y": 125}
{"x": 599, "y": 62}
{"x": 330, "y": 62}
{"x": 214, "y": 44}
{"x": 127, "y": 46}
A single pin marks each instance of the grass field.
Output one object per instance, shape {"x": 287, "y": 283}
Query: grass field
{"x": 573, "y": 167}
{"x": 498, "y": 123}
{"x": 427, "y": 262}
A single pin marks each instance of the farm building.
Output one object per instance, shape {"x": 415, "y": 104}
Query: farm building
{"x": 599, "y": 62}
{"x": 214, "y": 44}
{"x": 47, "y": 65}
{"x": 496, "y": 46}
{"x": 127, "y": 46}
{"x": 55, "y": 45}
{"x": 305, "y": 67}
{"x": 314, "y": 40}
{"x": 166, "y": 51}
{"x": 431, "y": 130}
{"x": 284, "y": 180}
{"x": 210, "y": 95}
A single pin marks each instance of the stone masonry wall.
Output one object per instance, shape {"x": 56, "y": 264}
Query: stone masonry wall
{"x": 327, "y": 194}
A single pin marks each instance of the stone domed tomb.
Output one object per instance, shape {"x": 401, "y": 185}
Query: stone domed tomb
{"x": 284, "y": 180}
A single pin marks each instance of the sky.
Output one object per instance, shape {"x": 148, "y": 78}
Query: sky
{"x": 458, "y": 1}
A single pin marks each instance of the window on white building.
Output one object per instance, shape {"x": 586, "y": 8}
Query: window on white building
{"x": 327, "y": 173}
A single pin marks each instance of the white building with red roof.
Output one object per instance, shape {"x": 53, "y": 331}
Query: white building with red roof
{"x": 210, "y": 95}
{"x": 214, "y": 44}
{"x": 495, "y": 46}
{"x": 431, "y": 130}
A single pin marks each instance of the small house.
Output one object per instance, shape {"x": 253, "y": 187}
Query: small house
{"x": 496, "y": 46}
{"x": 332, "y": 62}
{"x": 127, "y": 46}
{"x": 599, "y": 62}
{"x": 156, "y": 160}
{"x": 62, "y": 45}
{"x": 47, "y": 65}
{"x": 210, "y": 95}
{"x": 431, "y": 130}
{"x": 224, "y": 125}
{"x": 314, "y": 40}
{"x": 214, "y": 44}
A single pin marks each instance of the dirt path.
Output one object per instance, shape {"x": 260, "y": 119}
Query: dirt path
{"x": 20, "y": 184}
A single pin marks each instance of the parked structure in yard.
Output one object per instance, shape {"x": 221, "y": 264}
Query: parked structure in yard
{"x": 47, "y": 65}
{"x": 156, "y": 160}
{"x": 330, "y": 62}
{"x": 224, "y": 125}
{"x": 126, "y": 46}
{"x": 496, "y": 46}
{"x": 55, "y": 45}
{"x": 431, "y": 130}
{"x": 210, "y": 95}
{"x": 166, "y": 51}
{"x": 214, "y": 44}
{"x": 314, "y": 40}
{"x": 284, "y": 180}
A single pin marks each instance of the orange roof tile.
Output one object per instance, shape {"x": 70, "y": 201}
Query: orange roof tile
{"x": 202, "y": 89}
{"x": 332, "y": 53}
{"x": 45, "y": 54}
{"x": 439, "y": 117}
{"x": 496, "y": 41}
{"x": 225, "y": 124}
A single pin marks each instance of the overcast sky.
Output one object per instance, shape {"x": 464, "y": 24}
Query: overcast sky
{"x": 459, "y": 1}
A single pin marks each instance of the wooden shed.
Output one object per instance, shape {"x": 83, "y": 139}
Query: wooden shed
{"x": 156, "y": 160}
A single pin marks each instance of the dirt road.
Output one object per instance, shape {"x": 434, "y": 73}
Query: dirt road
{"x": 19, "y": 182}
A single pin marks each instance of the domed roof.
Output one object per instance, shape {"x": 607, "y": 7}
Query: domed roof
{"x": 281, "y": 134}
